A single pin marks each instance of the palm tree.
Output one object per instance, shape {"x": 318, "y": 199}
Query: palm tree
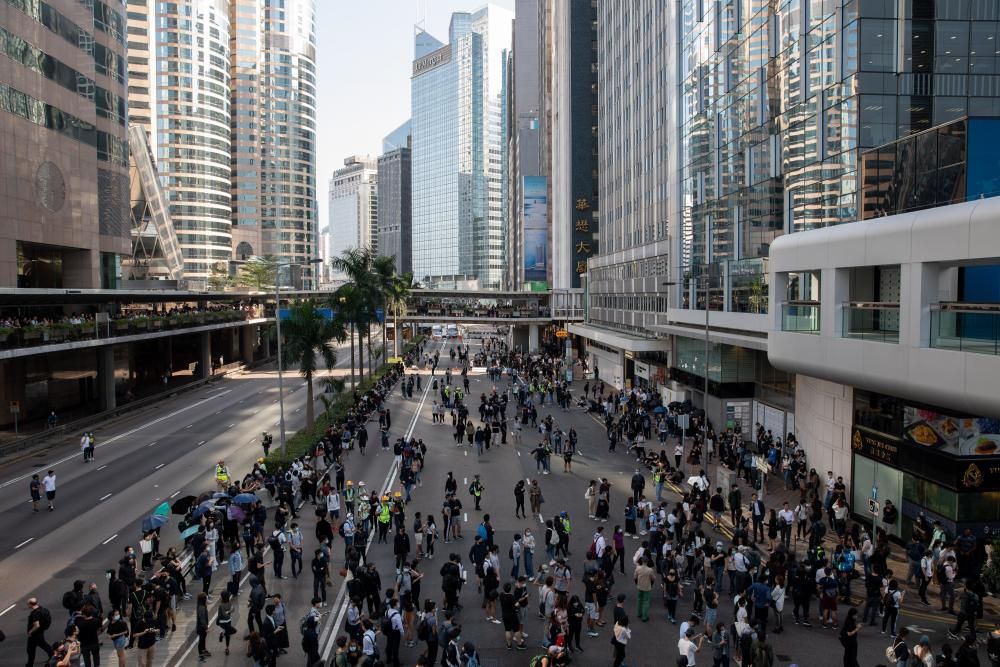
{"x": 395, "y": 301}
{"x": 308, "y": 334}
{"x": 333, "y": 386}
{"x": 347, "y": 301}
{"x": 383, "y": 273}
{"x": 357, "y": 264}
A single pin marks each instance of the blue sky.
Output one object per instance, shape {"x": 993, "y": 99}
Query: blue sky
{"x": 365, "y": 51}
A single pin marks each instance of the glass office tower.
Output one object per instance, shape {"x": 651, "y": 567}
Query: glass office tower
{"x": 457, "y": 94}
{"x": 780, "y": 98}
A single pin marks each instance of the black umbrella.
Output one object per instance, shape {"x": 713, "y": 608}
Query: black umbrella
{"x": 183, "y": 504}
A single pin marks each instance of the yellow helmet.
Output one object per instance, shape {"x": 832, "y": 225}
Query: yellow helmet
{"x": 260, "y": 460}
{"x": 398, "y": 494}
{"x": 350, "y": 483}
{"x": 385, "y": 498}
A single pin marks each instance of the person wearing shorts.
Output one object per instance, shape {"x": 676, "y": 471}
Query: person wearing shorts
{"x": 828, "y": 591}
{"x": 49, "y": 484}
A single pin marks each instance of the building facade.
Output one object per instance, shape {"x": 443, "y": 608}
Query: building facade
{"x": 394, "y": 208}
{"x": 63, "y": 144}
{"x": 458, "y": 92}
{"x": 353, "y": 208}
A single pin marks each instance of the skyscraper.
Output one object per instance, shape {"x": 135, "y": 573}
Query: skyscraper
{"x": 457, "y": 100}
{"x": 394, "y": 202}
{"x": 353, "y": 208}
{"x": 63, "y": 147}
{"x": 226, "y": 92}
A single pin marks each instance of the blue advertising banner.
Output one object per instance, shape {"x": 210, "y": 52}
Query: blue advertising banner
{"x": 536, "y": 228}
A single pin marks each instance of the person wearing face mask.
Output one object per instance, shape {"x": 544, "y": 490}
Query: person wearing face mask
{"x": 528, "y": 552}
{"x": 118, "y": 634}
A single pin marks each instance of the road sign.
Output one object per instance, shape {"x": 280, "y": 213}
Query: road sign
{"x": 684, "y": 421}
{"x": 873, "y": 507}
{"x": 15, "y": 407}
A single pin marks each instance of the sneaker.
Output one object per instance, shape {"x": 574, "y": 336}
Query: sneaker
{"x": 592, "y": 633}
{"x": 521, "y": 647}
{"x": 926, "y": 603}
{"x": 496, "y": 620}
{"x": 806, "y": 624}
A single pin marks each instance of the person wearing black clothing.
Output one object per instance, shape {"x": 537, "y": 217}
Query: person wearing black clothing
{"x": 320, "y": 570}
{"x": 270, "y": 634}
{"x": 575, "y": 613}
{"x": 137, "y": 609}
{"x": 257, "y": 598}
{"x": 849, "y": 638}
{"x": 519, "y": 499}
{"x": 39, "y": 620}
{"x": 201, "y": 627}
{"x": 451, "y": 582}
{"x": 310, "y": 642}
{"x": 401, "y": 548}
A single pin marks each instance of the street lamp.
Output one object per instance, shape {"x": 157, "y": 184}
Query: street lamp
{"x": 277, "y": 320}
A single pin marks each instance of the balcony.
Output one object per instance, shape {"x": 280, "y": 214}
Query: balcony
{"x": 874, "y": 321}
{"x": 800, "y": 317}
{"x": 966, "y": 327}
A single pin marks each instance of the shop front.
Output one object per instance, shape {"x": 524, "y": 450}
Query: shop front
{"x": 925, "y": 460}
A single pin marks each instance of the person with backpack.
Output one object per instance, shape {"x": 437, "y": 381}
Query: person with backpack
{"x": 968, "y": 611}
{"x": 427, "y": 631}
{"x": 39, "y": 620}
{"x": 891, "y": 603}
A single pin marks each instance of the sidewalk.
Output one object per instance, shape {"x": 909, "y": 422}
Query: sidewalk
{"x": 775, "y": 494}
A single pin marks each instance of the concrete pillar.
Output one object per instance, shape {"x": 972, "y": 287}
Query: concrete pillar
{"x": 532, "y": 337}
{"x": 247, "y": 340}
{"x": 266, "y": 337}
{"x": 106, "y": 377}
{"x": 205, "y": 354}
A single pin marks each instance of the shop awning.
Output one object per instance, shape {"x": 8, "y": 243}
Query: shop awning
{"x": 620, "y": 340}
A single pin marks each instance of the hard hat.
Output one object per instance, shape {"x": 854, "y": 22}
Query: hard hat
{"x": 350, "y": 483}
{"x": 385, "y": 498}
{"x": 260, "y": 460}
{"x": 398, "y": 494}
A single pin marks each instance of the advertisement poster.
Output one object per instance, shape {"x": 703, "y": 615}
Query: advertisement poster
{"x": 536, "y": 228}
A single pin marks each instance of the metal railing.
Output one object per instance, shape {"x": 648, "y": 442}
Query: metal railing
{"x": 966, "y": 327}
{"x": 800, "y": 316}
{"x": 871, "y": 320}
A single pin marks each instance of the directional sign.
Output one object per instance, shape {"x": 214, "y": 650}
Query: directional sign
{"x": 873, "y": 507}
{"x": 15, "y": 407}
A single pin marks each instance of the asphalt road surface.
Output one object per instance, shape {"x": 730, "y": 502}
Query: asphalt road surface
{"x": 172, "y": 451}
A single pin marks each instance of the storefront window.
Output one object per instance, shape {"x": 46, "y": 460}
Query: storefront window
{"x": 931, "y": 496}
{"x": 878, "y": 412}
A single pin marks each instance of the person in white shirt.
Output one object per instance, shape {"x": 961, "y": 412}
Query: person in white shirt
{"x": 600, "y": 544}
{"x": 49, "y": 484}
{"x": 689, "y": 646}
{"x": 333, "y": 504}
{"x": 786, "y": 519}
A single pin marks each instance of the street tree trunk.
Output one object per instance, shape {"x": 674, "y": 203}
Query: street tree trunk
{"x": 395, "y": 337}
{"x": 353, "y": 383}
{"x": 309, "y": 400}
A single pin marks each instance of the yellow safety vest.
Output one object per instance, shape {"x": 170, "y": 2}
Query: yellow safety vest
{"x": 383, "y": 514}
{"x": 221, "y": 474}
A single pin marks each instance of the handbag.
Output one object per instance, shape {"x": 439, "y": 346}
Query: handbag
{"x": 890, "y": 652}
{"x": 146, "y": 546}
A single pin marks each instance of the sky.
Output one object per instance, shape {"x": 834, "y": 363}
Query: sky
{"x": 365, "y": 50}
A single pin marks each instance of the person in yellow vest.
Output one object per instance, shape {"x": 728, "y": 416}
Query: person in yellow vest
{"x": 222, "y": 475}
{"x": 349, "y": 495}
{"x": 384, "y": 517}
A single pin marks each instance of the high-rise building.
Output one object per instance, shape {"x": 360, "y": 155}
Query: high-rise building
{"x": 287, "y": 113}
{"x": 226, "y": 92}
{"x": 398, "y": 138}
{"x": 394, "y": 202}
{"x": 180, "y": 86}
{"x": 353, "y": 208}
{"x": 63, "y": 144}
{"x": 458, "y": 92}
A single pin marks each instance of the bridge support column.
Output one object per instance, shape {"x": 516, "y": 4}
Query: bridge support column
{"x": 532, "y": 337}
{"x": 205, "y": 354}
{"x": 248, "y": 338}
{"x": 106, "y": 377}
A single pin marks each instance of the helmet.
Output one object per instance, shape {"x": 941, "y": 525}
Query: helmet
{"x": 350, "y": 483}
{"x": 260, "y": 460}
{"x": 385, "y": 498}
{"x": 361, "y": 483}
{"x": 398, "y": 494}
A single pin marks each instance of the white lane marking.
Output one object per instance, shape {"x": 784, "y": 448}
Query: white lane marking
{"x": 465, "y": 517}
{"x": 119, "y": 436}
{"x": 103, "y": 466}
{"x": 152, "y": 443}
{"x": 7, "y": 609}
{"x": 277, "y": 422}
{"x": 219, "y": 412}
{"x": 341, "y": 601}
{"x": 189, "y": 426}
{"x": 175, "y": 494}
{"x": 30, "y": 539}
{"x": 519, "y": 453}
{"x": 110, "y": 538}
{"x": 256, "y": 411}
{"x": 298, "y": 409}
{"x": 465, "y": 481}
{"x": 201, "y": 443}
{"x": 159, "y": 466}
{"x": 231, "y": 425}
{"x": 105, "y": 497}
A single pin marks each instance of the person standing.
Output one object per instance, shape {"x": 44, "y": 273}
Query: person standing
{"x": 622, "y": 634}
{"x": 519, "y": 499}
{"x": 735, "y": 504}
{"x": 226, "y": 619}
{"x": 49, "y": 484}
{"x": 757, "y": 513}
{"x": 320, "y": 570}
{"x": 476, "y": 488}
{"x": 35, "y": 489}
{"x": 644, "y": 577}
{"x": 849, "y": 638}
{"x": 201, "y": 627}
{"x": 39, "y": 620}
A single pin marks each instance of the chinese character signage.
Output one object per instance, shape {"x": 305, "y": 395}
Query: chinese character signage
{"x": 536, "y": 229}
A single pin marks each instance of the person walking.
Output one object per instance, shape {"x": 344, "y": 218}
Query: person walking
{"x": 519, "y": 499}
{"x": 890, "y": 605}
{"x": 226, "y": 619}
{"x": 49, "y": 484}
{"x": 35, "y": 490}
{"x": 849, "y": 637}
{"x": 476, "y": 489}
{"x": 535, "y": 497}
{"x": 735, "y": 504}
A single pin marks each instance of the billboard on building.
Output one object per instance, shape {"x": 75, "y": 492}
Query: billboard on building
{"x": 536, "y": 228}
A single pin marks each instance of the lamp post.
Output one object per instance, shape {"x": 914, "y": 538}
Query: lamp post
{"x": 277, "y": 321}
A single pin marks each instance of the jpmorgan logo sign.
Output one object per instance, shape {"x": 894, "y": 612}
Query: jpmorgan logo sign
{"x": 432, "y": 60}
